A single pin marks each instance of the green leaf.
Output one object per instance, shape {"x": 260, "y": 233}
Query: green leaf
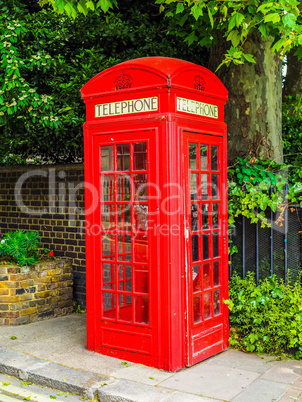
{"x": 277, "y": 293}
{"x": 232, "y": 22}
{"x": 82, "y": 7}
{"x": 278, "y": 45}
{"x": 90, "y": 5}
{"x": 239, "y": 18}
{"x": 289, "y": 20}
{"x": 196, "y": 11}
{"x": 234, "y": 37}
{"x": 180, "y": 8}
{"x": 236, "y": 19}
{"x": 105, "y": 5}
{"x": 262, "y": 29}
{"x": 273, "y": 17}
{"x": 211, "y": 18}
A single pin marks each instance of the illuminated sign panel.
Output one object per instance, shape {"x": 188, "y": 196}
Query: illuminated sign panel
{"x": 195, "y": 107}
{"x": 127, "y": 107}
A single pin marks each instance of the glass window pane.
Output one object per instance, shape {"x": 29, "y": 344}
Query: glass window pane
{"x": 204, "y": 187}
{"x": 206, "y": 246}
{"x": 214, "y": 156}
{"x": 141, "y": 248}
{"x": 216, "y": 273}
{"x": 108, "y": 221}
{"x": 203, "y": 157}
{"x": 109, "y": 305}
{"x": 192, "y": 153}
{"x": 128, "y": 271}
{"x": 107, "y": 184}
{"x": 196, "y": 278}
{"x": 129, "y": 285}
{"x": 216, "y": 301}
{"x": 123, "y": 187}
{"x": 195, "y": 248}
{"x": 206, "y": 276}
{"x": 109, "y": 276}
{"x": 124, "y": 247}
{"x": 125, "y": 308}
{"x": 215, "y": 208}
{"x": 141, "y": 279}
{"x": 216, "y": 244}
{"x": 193, "y": 185}
{"x": 205, "y": 216}
{"x": 107, "y": 158}
{"x": 194, "y": 217}
{"x": 207, "y": 305}
{"x": 140, "y": 156}
{"x": 125, "y": 286}
{"x": 197, "y": 309}
{"x": 140, "y": 187}
{"x": 123, "y": 157}
{"x": 108, "y": 247}
{"x": 141, "y": 217}
{"x": 142, "y": 309}
{"x": 121, "y": 273}
{"x": 215, "y": 189}
{"x": 124, "y": 217}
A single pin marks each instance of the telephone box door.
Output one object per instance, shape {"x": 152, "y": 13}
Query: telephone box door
{"x": 206, "y": 246}
{"x": 124, "y": 274}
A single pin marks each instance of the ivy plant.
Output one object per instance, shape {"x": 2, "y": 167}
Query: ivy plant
{"x": 255, "y": 184}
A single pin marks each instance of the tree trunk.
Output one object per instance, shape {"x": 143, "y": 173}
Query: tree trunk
{"x": 293, "y": 79}
{"x": 254, "y": 110}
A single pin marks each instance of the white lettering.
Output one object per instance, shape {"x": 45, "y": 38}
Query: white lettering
{"x": 198, "y": 108}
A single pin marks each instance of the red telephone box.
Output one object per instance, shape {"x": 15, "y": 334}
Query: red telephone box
{"x": 156, "y": 213}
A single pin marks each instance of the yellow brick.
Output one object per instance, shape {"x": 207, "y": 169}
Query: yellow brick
{"x": 26, "y": 296}
{"x": 9, "y": 299}
{"x": 28, "y": 311}
{"x": 56, "y": 271}
{"x": 26, "y": 284}
{"x": 42, "y": 295}
{"x": 4, "y": 291}
{"x": 18, "y": 277}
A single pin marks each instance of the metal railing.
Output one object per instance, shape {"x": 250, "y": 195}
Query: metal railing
{"x": 274, "y": 250}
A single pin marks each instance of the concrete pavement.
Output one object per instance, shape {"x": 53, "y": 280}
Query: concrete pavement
{"x": 53, "y": 353}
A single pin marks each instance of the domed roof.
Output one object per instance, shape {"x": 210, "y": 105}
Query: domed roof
{"x": 155, "y": 72}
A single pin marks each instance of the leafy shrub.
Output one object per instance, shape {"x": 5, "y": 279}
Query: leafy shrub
{"x": 21, "y": 247}
{"x": 266, "y": 318}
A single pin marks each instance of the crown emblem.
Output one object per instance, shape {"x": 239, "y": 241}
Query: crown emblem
{"x": 123, "y": 81}
{"x": 199, "y": 83}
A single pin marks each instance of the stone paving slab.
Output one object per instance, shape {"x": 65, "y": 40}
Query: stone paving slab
{"x": 130, "y": 391}
{"x": 42, "y": 372}
{"x": 243, "y": 361}
{"x": 143, "y": 374}
{"x": 211, "y": 381}
{"x": 285, "y": 372}
{"x": 61, "y": 340}
{"x": 262, "y": 391}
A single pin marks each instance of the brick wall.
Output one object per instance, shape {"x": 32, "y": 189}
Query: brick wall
{"x": 29, "y": 294}
{"x": 50, "y": 200}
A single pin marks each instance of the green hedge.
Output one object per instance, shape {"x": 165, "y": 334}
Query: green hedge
{"x": 266, "y": 318}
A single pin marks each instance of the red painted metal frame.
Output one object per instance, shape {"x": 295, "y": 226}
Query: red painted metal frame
{"x": 167, "y": 342}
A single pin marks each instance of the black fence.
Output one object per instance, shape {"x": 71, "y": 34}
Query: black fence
{"x": 275, "y": 250}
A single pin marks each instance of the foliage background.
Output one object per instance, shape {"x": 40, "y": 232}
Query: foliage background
{"x": 45, "y": 60}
